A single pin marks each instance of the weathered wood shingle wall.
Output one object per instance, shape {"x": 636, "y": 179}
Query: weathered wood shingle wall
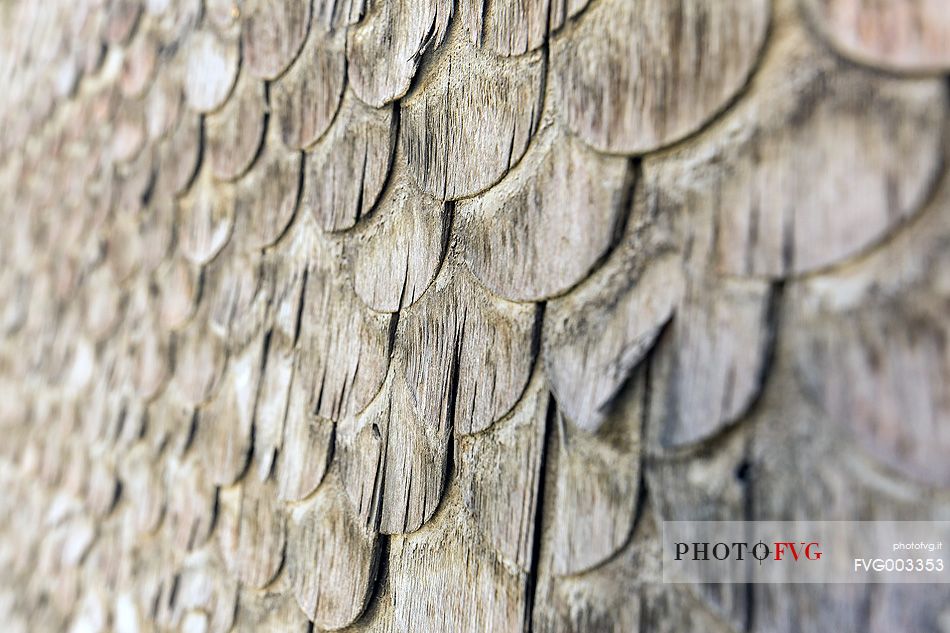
{"x": 419, "y": 315}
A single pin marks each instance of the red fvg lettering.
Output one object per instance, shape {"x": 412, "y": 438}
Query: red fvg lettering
{"x": 784, "y": 547}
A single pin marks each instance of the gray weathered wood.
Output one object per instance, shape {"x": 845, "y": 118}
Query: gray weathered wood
{"x": 266, "y": 199}
{"x": 384, "y": 49}
{"x": 416, "y": 315}
{"x": 306, "y": 444}
{"x": 869, "y": 348}
{"x": 236, "y": 297}
{"x": 225, "y": 426}
{"x": 306, "y": 98}
{"x": 453, "y": 567}
{"x": 597, "y": 476}
{"x": 271, "y": 609}
{"x": 456, "y": 146}
{"x": 393, "y": 461}
{"x": 180, "y": 155}
{"x": 331, "y": 558}
{"x": 344, "y": 351}
{"x": 139, "y": 65}
{"x": 251, "y": 531}
{"x": 235, "y": 134}
{"x": 199, "y": 364}
{"x": 709, "y": 364}
{"x": 500, "y": 477}
{"x": 615, "y": 69}
{"x": 272, "y": 34}
{"x": 163, "y": 103}
{"x": 122, "y": 19}
{"x": 345, "y": 171}
{"x": 400, "y": 249}
{"x": 190, "y": 498}
{"x": 801, "y": 184}
{"x": 459, "y": 333}
{"x": 178, "y": 292}
{"x": 205, "y": 219}
{"x": 595, "y": 337}
{"x": 505, "y": 27}
{"x": 532, "y": 239}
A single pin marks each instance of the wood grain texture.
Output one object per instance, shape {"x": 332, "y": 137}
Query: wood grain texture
{"x": 511, "y": 454}
{"x": 236, "y": 298}
{"x": 339, "y": 13}
{"x": 867, "y": 168}
{"x": 345, "y": 351}
{"x": 529, "y": 239}
{"x": 306, "y": 98}
{"x": 272, "y": 34}
{"x": 271, "y": 609}
{"x": 456, "y": 146}
{"x": 211, "y": 70}
{"x": 273, "y": 404}
{"x": 284, "y": 271}
{"x": 384, "y": 49}
{"x": 468, "y": 354}
{"x": 598, "y": 478}
{"x": 306, "y": 445}
{"x": 251, "y": 531}
{"x": 616, "y": 70}
{"x": 400, "y": 249}
{"x": 225, "y": 426}
{"x": 508, "y": 28}
{"x": 393, "y": 460}
{"x": 902, "y": 36}
{"x": 331, "y": 559}
{"x": 344, "y": 172}
{"x": 266, "y": 199}
{"x": 595, "y": 337}
{"x": 435, "y": 573}
{"x": 235, "y": 134}
{"x": 588, "y": 602}
{"x": 204, "y": 594}
{"x": 271, "y": 408}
